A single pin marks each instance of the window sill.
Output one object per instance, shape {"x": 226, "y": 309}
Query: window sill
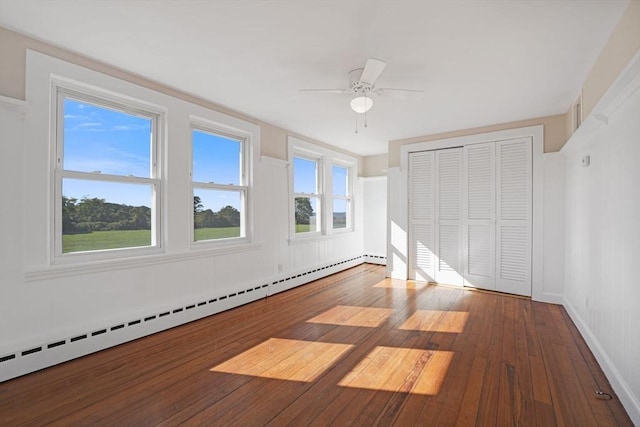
{"x": 219, "y": 247}
{"x": 90, "y": 267}
{"x": 301, "y": 239}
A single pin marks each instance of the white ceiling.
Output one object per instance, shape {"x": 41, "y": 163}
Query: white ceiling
{"x": 479, "y": 62}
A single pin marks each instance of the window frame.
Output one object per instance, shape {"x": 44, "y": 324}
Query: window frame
{"x": 244, "y": 187}
{"x": 119, "y": 103}
{"x": 327, "y": 158}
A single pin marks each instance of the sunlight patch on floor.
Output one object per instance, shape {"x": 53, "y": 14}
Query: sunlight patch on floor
{"x": 436, "y": 321}
{"x": 284, "y": 359}
{"x": 400, "y": 284}
{"x": 346, "y": 315}
{"x": 403, "y": 370}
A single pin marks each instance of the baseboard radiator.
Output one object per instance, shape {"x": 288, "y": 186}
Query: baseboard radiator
{"x": 64, "y": 349}
{"x": 375, "y": 259}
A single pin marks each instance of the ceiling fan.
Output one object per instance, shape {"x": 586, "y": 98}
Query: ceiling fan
{"x": 362, "y": 84}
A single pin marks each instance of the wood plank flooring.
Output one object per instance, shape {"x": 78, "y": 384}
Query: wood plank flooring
{"x": 352, "y": 349}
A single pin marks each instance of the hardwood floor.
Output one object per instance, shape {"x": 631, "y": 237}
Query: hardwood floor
{"x": 351, "y": 349}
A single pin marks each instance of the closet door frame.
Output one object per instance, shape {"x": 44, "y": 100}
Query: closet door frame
{"x": 400, "y": 219}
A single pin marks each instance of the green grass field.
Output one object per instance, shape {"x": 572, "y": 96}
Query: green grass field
{"x": 99, "y": 240}
{"x": 303, "y": 228}
{"x": 216, "y": 233}
{"x": 105, "y": 240}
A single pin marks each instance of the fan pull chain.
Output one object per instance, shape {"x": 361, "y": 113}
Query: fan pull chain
{"x": 356, "y": 122}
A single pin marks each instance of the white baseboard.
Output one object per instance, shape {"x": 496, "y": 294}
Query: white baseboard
{"x": 619, "y": 385}
{"x": 550, "y": 298}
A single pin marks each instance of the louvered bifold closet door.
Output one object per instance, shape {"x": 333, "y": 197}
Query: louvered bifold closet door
{"x": 514, "y": 211}
{"x": 480, "y": 207}
{"x": 449, "y": 216}
{"x": 421, "y": 216}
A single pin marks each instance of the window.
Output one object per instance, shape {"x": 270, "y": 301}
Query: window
{"x": 341, "y": 197}
{"x": 107, "y": 183}
{"x": 219, "y": 185}
{"x": 306, "y": 194}
{"x": 322, "y": 188}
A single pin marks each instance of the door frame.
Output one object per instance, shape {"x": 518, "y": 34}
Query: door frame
{"x": 536, "y": 133}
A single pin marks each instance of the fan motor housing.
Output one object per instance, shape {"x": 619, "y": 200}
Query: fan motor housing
{"x": 355, "y": 84}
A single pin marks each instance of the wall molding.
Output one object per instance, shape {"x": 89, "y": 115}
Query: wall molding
{"x": 16, "y": 105}
{"x": 58, "y": 271}
{"x": 373, "y": 178}
{"x": 627, "y": 83}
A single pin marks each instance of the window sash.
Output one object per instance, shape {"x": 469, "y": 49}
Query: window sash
{"x": 318, "y": 178}
{"x": 62, "y": 93}
{"x": 242, "y": 192}
{"x": 60, "y": 173}
{"x": 318, "y": 214}
{"x": 347, "y": 179}
{"x": 242, "y": 188}
{"x": 347, "y": 198}
{"x": 347, "y": 212}
{"x": 243, "y": 166}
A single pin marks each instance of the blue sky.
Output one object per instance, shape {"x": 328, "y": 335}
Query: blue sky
{"x": 305, "y": 177}
{"x": 117, "y": 143}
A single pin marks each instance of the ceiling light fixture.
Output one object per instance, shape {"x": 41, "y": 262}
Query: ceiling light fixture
{"x": 361, "y": 104}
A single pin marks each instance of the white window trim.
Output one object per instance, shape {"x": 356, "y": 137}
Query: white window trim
{"x": 61, "y": 88}
{"x": 245, "y": 187}
{"x": 327, "y": 158}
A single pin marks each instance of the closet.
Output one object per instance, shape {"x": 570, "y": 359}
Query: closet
{"x": 470, "y": 215}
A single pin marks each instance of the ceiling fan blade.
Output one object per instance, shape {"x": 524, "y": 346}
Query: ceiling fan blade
{"x": 399, "y": 93}
{"x": 372, "y": 71}
{"x": 339, "y": 91}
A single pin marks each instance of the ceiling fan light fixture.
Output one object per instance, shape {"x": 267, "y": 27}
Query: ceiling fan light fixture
{"x": 361, "y": 104}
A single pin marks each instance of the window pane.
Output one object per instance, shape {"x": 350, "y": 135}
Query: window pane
{"x": 216, "y": 158}
{"x": 339, "y": 181}
{"x": 105, "y": 215}
{"x": 306, "y": 215}
{"x": 216, "y": 214}
{"x": 305, "y": 176}
{"x": 340, "y": 213}
{"x": 100, "y": 139}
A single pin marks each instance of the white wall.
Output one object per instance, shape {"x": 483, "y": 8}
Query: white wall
{"x": 554, "y": 220}
{"x": 397, "y": 225}
{"x": 601, "y": 290}
{"x": 41, "y": 304}
{"x": 375, "y": 218}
